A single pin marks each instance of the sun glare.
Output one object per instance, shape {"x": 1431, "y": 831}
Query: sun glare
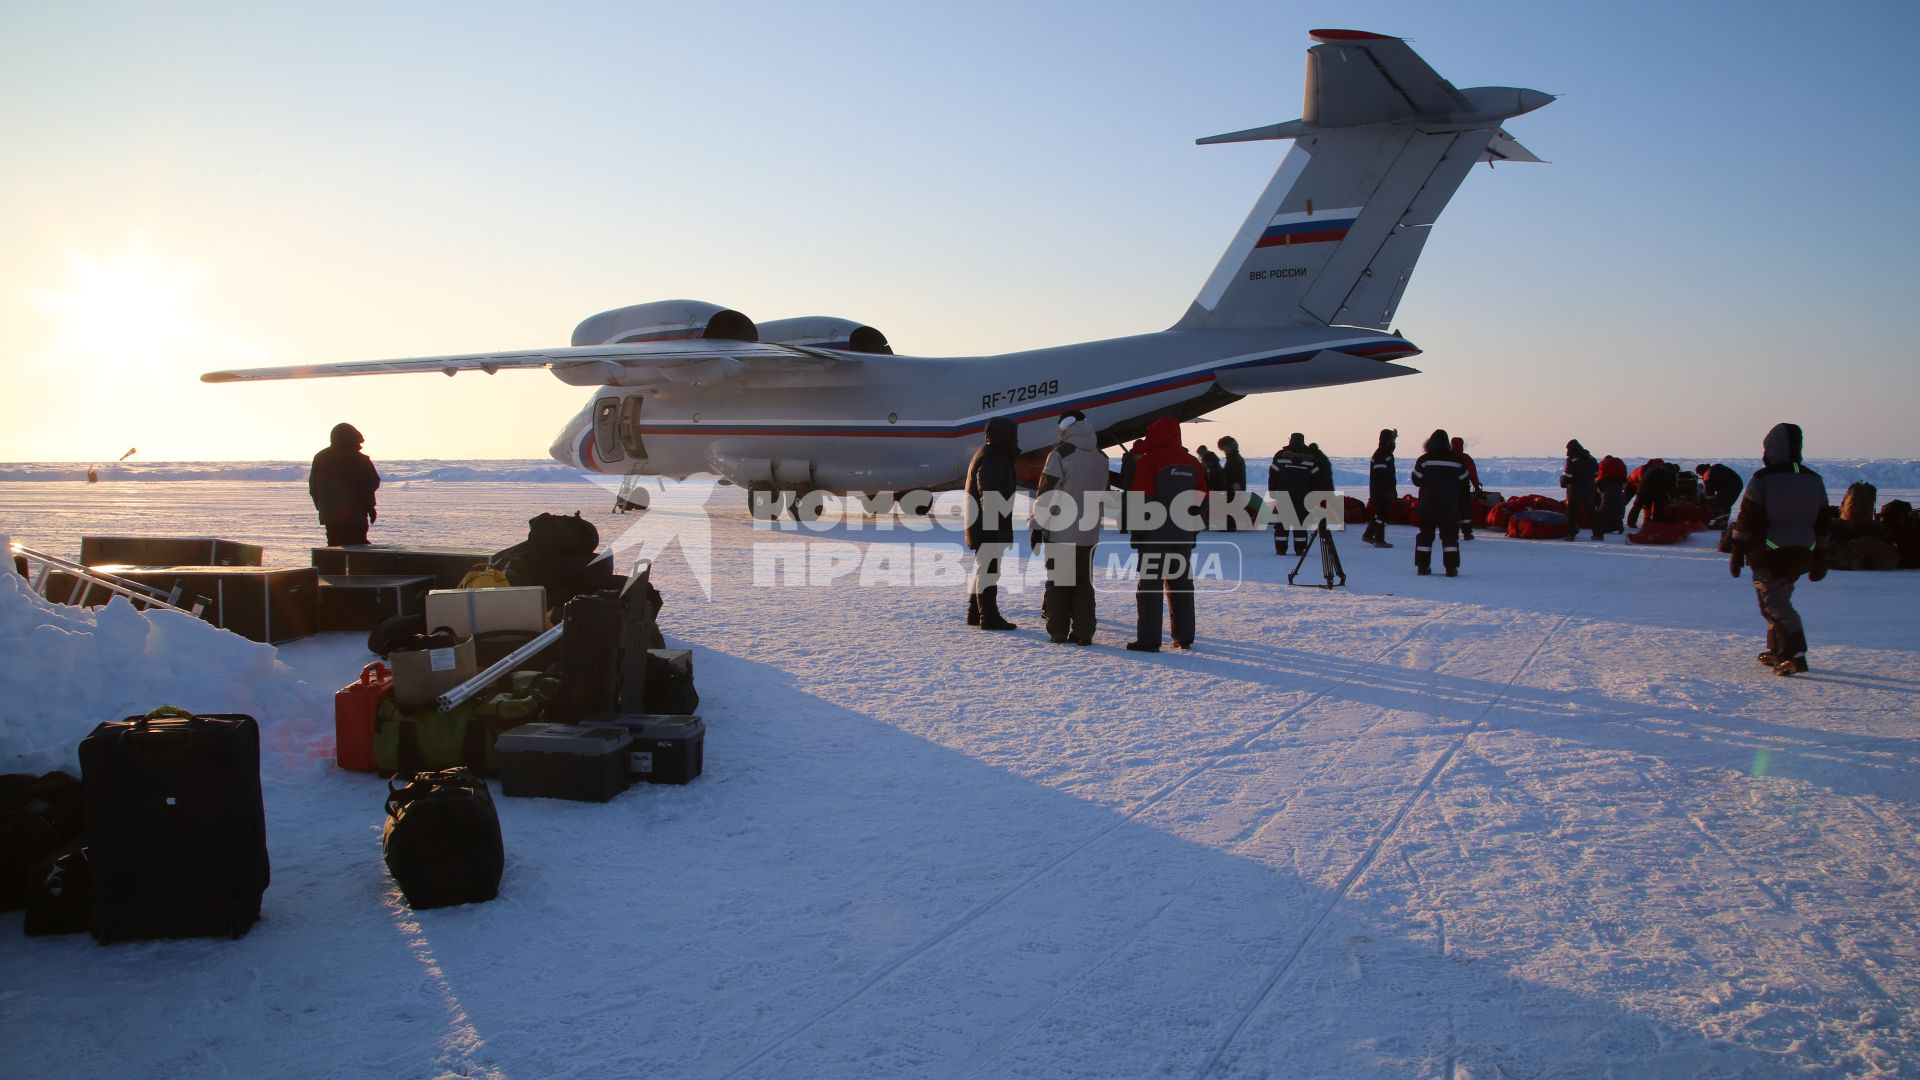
{"x": 121, "y": 312}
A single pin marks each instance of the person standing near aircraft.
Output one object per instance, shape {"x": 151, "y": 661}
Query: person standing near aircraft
{"x": 1781, "y": 533}
{"x": 1382, "y": 489}
{"x": 1073, "y": 486}
{"x": 1290, "y": 478}
{"x": 1164, "y": 472}
{"x": 989, "y": 532}
{"x": 1441, "y": 477}
{"x": 1473, "y": 488}
{"x": 1578, "y": 476}
{"x": 341, "y": 483}
{"x": 1234, "y": 467}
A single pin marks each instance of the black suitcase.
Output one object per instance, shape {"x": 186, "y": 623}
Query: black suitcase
{"x": 445, "y": 565}
{"x": 176, "y": 832}
{"x": 669, "y": 688}
{"x": 589, "y": 658}
{"x": 442, "y": 839}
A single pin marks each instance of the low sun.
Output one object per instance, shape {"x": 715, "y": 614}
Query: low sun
{"x": 120, "y": 312}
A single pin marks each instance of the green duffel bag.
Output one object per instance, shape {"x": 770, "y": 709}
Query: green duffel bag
{"x": 422, "y": 741}
{"x": 525, "y": 700}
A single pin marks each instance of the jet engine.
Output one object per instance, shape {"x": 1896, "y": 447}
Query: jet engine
{"x": 665, "y": 320}
{"x": 822, "y": 332}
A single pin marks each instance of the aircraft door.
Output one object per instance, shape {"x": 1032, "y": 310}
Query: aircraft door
{"x": 630, "y": 429}
{"x": 606, "y": 429}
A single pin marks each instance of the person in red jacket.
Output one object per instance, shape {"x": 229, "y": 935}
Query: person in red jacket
{"x": 1473, "y": 488}
{"x": 1163, "y": 472}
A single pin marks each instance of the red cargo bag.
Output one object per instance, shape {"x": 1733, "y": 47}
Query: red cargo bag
{"x": 354, "y": 706}
{"x": 1538, "y": 525}
{"x": 1356, "y": 510}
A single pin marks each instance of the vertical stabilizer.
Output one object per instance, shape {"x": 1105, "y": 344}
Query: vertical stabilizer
{"x": 1335, "y": 236}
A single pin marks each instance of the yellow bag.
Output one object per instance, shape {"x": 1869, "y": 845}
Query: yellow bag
{"x": 485, "y": 577}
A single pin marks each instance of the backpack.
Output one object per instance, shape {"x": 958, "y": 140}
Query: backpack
{"x": 442, "y": 839}
{"x": 1612, "y": 468}
{"x": 1856, "y": 508}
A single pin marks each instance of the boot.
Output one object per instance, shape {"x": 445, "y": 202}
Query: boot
{"x": 1453, "y": 571}
{"x": 1423, "y": 571}
{"x": 1793, "y": 657}
{"x": 990, "y": 611}
{"x": 973, "y": 609}
{"x": 1772, "y": 657}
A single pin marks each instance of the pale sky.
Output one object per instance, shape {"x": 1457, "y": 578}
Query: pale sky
{"x": 1718, "y": 243}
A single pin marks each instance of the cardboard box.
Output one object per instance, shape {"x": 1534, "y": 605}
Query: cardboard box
{"x": 479, "y": 611}
{"x": 422, "y": 675}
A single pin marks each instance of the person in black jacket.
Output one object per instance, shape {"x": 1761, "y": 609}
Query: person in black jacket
{"x": 1721, "y": 485}
{"x": 1382, "y": 489}
{"x": 1782, "y": 533}
{"x": 1441, "y": 478}
{"x": 342, "y": 483}
{"x": 989, "y": 531}
{"x": 1659, "y": 482}
{"x": 1290, "y": 478}
{"x": 1578, "y": 476}
{"x": 1234, "y": 471}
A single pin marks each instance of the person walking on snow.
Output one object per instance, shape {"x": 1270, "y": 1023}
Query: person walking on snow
{"x": 341, "y": 483}
{"x": 1163, "y": 474}
{"x": 1234, "y": 469}
{"x": 1073, "y": 486}
{"x": 989, "y": 531}
{"x": 1440, "y": 476}
{"x": 1382, "y": 489}
{"x": 1782, "y": 533}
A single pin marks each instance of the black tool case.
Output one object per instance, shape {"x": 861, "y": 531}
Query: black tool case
{"x": 564, "y": 761}
{"x": 362, "y": 602}
{"x": 666, "y": 749}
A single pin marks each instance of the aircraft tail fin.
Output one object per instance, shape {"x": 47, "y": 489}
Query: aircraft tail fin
{"x": 1382, "y": 147}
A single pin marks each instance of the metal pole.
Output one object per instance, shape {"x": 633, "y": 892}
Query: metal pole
{"x": 132, "y": 590}
{"x": 457, "y": 696}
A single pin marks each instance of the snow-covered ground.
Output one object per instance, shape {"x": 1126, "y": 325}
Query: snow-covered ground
{"x": 1547, "y": 819}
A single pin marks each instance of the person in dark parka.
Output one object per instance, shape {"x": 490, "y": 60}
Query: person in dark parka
{"x": 1659, "y": 482}
{"x": 1382, "y": 489}
{"x": 1234, "y": 469}
{"x": 1721, "y": 486}
{"x": 989, "y": 532}
{"x": 1290, "y": 479}
{"x": 1441, "y": 477}
{"x": 1578, "y": 476}
{"x": 342, "y": 482}
{"x": 1782, "y": 533}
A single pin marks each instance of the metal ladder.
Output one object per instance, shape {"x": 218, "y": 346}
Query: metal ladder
{"x": 141, "y": 594}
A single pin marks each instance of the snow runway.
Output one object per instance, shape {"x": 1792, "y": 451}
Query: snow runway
{"x": 1546, "y": 819}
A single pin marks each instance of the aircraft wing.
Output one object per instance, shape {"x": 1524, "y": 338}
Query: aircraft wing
{"x": 1354, "y": 77}
{"x": 691, "y": 361}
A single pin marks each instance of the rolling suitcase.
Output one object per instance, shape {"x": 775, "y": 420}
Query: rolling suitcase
{"x": 176, "y": 832}
{"x": 589, "y": 658}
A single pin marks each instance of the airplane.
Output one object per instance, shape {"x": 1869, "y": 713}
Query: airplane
{"x": 1303, "y": 297}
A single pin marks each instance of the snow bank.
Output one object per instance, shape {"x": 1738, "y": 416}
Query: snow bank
{"x": 65, "y": 669}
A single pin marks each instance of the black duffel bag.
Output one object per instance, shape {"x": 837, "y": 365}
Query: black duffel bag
{"x": 442, "y": 839}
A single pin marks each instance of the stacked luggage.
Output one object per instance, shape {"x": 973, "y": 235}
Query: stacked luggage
{"x": 221, "y": 580}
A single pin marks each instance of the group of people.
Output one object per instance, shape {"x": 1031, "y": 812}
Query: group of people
{"x": 1780, "y": 532}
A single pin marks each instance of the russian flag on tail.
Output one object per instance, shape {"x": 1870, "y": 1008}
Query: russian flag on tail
{"x": 1327, "y": 226}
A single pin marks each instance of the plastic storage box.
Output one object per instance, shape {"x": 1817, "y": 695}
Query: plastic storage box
{"x": 586, "y": 763}
{"x": 666, "y": 749}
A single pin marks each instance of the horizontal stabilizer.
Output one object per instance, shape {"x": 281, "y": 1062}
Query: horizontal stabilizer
{"x": 1292, "y": 129}
{"x": 1504, "y": 148}
{"x": 1328, "y": 367}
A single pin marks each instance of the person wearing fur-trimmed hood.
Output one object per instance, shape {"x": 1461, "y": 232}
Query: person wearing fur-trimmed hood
{"x": 1067, "y": 510}
{"x": 1781, "y": 533}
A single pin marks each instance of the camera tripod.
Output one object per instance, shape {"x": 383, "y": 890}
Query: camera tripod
{"x": 1330, "y": 567}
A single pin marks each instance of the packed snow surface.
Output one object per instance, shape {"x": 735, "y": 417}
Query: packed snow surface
{"x": 1548, "y": 819}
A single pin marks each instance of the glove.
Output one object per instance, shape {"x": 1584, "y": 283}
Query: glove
{"x": 1819, "y": 568}
{"x": 373, "y": 516}
{"x": 1738, "y": 562}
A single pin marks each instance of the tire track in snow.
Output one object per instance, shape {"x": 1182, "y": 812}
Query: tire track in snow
{"x": 973, "y": 914}
{"x": 977, "y": 1066}
{"x": 1367, "y": 857}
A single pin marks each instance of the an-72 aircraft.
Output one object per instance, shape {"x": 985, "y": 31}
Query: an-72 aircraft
{"x": 1302, "y": 298}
